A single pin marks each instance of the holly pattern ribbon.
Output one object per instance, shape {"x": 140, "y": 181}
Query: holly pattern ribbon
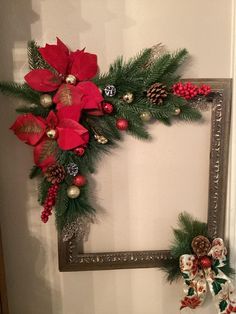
{"x": 200, "y": 272}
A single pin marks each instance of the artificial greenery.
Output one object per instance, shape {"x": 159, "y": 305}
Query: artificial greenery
{"x": 188, "y": 228}
{"x": 135, "y": 76}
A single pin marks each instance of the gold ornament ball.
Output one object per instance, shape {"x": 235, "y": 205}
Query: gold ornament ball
{"x": 73, "y": 191}
{"x": 46, "y": 100}
{"x": 71, "y": 79}
{"x": 145, "y": 116}
{"x": 51, "y": 133}
{"x": 128, "y": 98}
{"x": 177, "y": 111}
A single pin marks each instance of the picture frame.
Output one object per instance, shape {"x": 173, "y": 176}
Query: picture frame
{"x": 70, "y": 253}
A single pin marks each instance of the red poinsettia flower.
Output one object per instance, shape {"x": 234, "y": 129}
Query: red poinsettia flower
{"x": 191, "y": 302}
{"x": 78, "y": 66}
{"x": 58, "y": 129}
{"x": 82, "y": 65}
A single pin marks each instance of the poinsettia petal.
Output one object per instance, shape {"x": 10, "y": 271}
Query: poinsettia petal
{"x": 42, "y": 80}
{"x": 70, "y": 112}
{"x": 56, "y": 56}
{"x": 62, "y": 46}
{"x": 29, "y": 128}
{"x": 52, "y": 120}
{"x": 92, "y": 96}
{"x": 67, "y": 95}
{"x": 45, "y": 153}
{"x": 90, "y": 89}
{"x": 83, "y": 65}
{"x": 71, "y": 134}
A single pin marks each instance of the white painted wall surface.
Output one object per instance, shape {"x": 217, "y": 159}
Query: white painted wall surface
{"x": 108, "y": 28}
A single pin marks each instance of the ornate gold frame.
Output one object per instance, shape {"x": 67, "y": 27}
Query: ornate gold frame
{"x": 71, "y": 256}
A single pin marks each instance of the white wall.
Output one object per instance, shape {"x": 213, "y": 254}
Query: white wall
{"x": 109, "y": 28}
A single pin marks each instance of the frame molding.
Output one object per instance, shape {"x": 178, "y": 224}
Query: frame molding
{"x": 71, "y": 256}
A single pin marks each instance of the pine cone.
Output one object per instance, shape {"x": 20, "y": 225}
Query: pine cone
{"x": 157, "y": 93}
{"x": 201, "y": 245}
{"x": 55, "y": 174}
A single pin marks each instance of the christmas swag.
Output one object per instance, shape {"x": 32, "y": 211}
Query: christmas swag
{"x": 202, "y": 262}
{"x": 74, "y": 114}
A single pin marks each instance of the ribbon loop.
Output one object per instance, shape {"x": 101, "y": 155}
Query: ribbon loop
{"x": 195, "y": 285}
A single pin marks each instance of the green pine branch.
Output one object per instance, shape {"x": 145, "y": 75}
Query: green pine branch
{"x": 189, "y": 113}
{"x": 34, "y": 57}
{"x": 35, "y": 110}
{"x": 176, "y": 60}
{"x": 18, "y": 90}
{"x": 44, "y": 185}
{"x": 67, "y": 210}
{"x": 34, "y": 172}
{"x": 62, "y": 201}
{"x": 165, "y": 65}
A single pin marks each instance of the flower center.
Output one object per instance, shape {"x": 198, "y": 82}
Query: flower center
{"x": 52, "y": 133}
{"x": 71, "y": 79}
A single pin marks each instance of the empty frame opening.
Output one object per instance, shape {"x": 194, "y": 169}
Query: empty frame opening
{"x": 142, "y": 187}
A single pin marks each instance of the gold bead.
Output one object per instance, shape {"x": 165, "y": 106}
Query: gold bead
{"x": 51, "y": 133}
{"x": 128, "y": 98}
{"x": 145, "y": 116}
{"x": 46, "y": 100}
{"x": 71, "y": 79}
{"x": 73, "y": 191}
{"x": 101, "y": 139}
{"x": 177, "y": 111}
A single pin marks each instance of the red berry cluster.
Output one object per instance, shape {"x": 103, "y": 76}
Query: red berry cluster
{"x": 49, "y": 202}
{"x": 189, "y": 90}
{"x": 204, "y": 89}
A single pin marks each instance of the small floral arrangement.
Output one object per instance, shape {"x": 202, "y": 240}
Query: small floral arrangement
{"x": 202, "y": 263}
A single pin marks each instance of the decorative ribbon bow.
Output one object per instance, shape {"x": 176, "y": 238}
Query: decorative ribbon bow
{"x": 206, "y": 267}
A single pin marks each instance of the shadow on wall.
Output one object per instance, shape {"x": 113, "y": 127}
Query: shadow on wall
{"x": 28, "y": 292}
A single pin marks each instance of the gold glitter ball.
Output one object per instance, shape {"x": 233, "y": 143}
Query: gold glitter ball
{"x": 73, "y": 191}
{"x": 177, "y": 111}
{"x": 128, "y": 98}
{"x": 46, "y": 100}
{"x": 145, "y": 116}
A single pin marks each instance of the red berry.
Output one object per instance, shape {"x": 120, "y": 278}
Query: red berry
{"x": 44, "y": 218}
{"x": 79, "y": 151}
{"x": 205, "y": 262}
{"x": 107, "y": 107}
{"x": 122, "y": 124}
{"x": 79, "y": 180}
